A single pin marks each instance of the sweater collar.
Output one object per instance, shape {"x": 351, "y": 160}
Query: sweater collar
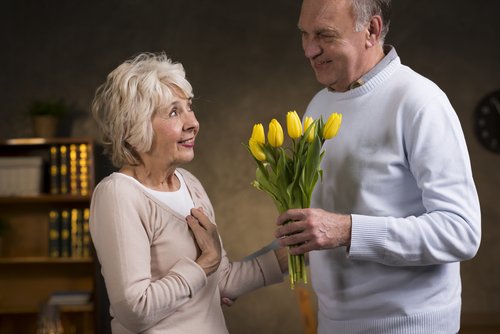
{"x": 390, "y": 55}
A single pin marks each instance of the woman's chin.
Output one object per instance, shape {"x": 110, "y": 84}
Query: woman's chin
{"x": 186, "y": 158}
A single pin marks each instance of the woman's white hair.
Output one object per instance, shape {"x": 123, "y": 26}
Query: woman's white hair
{"x": 124, "y": 105}
{"x": 364, "y": 10}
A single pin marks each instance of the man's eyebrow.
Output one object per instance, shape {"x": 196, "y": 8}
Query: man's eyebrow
{"x": 319, "y": 31}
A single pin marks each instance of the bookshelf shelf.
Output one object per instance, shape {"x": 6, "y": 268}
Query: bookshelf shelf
{"x": 84, "y": 308}
{"x": 44, "y": 198}
{"x": 44, "y": 141}
{"x": 44, "y": 260}
{"x": 46, "y": 247}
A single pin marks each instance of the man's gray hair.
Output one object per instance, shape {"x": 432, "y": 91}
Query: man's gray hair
{"x": 364, "y": 10}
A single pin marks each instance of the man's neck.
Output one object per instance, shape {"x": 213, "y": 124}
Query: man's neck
{"x": 372, "y": 59}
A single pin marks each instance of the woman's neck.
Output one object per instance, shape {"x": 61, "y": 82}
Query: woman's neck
{"x": 153, "y": 178}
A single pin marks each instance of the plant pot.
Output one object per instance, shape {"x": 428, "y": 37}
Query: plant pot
{"x": 45, "y": 126}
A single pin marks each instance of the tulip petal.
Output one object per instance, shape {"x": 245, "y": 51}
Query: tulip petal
{"x": 275, "y": 134}
{"x": 258, "y": 133}
{"x": 256, "y": 149}
{"x": 307, "y": 123}
{"x": 293, "y": 124}
{"x": 332, "y": 126}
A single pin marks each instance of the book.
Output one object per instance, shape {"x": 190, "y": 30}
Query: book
{"x": 65, "y": 234}
{"x": 76, "y": 233}
{"x": 20, "y": 175}
{"x": 69, "y": 234}
{"x": 63, "y": 169}
{"x": 69, "y": 297}
{"x": 83, "y": 165}
{"x": 73, "y": 169}
{"x": 54, "y": 238}
{"x": 69, "y": 169}
{"x": 87, "y": 243}
{"x": 54, "y": 170}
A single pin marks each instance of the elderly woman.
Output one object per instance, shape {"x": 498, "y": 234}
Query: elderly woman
{"x": 151, "y": 222}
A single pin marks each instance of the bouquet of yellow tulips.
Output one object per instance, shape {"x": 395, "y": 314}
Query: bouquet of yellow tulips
{"x": 289, "y": 175}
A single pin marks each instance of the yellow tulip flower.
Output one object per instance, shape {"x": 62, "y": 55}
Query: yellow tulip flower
{"x": 275, "y": 134}
{"x": 332, "y": 126}
{"x": 256, "y": 149}
{"x": 307, "y": 123}
{"x": 293, "y": 124}
{"x": 258, "y": 133}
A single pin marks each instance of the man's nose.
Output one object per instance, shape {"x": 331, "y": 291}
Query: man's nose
{"x": 311, "y": 48}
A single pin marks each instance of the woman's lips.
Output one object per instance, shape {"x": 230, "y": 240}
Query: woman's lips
{"x": 187, "y": 143}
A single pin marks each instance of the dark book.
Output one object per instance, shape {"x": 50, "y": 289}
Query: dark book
{"x": 54, "y": 170}
{"x": 76, "y": 233}
{"x": 65, "y": 234}
{"x": 54, "y": 237}
{"x": 73, "y": 169}
{"x": 87, "y": 243}
{"x": 83, "y": 168}
{"x": 63, "y": 169}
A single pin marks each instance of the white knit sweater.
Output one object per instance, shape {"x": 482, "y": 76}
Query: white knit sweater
{"x": 400, "y": 166}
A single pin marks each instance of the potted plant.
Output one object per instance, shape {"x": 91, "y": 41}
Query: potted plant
{"x": 45, "y": 115}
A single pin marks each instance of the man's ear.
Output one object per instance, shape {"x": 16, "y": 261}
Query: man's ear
{"x": 373, "y": 32}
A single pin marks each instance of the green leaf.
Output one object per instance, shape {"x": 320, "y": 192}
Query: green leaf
{"x": 283, "y": 173}
{"x": 312, "y": 161}
{"x": 270, "y": 153}
{"x": 259, "y": 163}
{"x": 263, "y": 183}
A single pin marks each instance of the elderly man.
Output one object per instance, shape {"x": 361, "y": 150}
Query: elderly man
{"x": 397, "y": 210}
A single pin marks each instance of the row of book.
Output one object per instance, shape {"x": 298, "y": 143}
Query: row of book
{"x": 69, "y": 234}
{"x": 70, "y": 297}
{"x": 70, "y": 169}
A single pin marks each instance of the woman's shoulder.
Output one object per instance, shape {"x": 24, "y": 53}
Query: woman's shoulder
{"x": 115, "y": 179}
{"x": 118, "y": 185}
{"x": 189, "y": 177}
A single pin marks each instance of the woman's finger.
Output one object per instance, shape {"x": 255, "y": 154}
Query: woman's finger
{"x": 193, "y": 223}
{"x": 201, "y": 217}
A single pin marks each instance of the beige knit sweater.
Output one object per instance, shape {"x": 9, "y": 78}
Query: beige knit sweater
{"x": 148, "y": 253}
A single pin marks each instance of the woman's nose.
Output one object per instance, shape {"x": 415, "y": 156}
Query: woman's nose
{"x": 191, "y": 123}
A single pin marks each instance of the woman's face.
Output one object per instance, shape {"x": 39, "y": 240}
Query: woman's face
{"x": 175, "y": 128}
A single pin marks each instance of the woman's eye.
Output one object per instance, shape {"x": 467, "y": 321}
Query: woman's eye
{"x": 173, "y": 113}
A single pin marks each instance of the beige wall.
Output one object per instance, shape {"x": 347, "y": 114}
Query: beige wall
{"x": 246, "y": 65}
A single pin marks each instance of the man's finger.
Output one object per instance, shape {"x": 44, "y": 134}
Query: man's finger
{"x": 292, "y": 214}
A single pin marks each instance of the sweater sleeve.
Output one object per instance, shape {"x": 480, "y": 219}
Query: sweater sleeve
{"x": 122, "y": 244}
{"x": 449, "y": 228}
{"x": 239, "y": 277}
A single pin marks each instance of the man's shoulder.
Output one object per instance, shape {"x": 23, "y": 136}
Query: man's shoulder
{"x": 405, "y": 76}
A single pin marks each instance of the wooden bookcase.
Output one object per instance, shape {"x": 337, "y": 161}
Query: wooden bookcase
{"x": 28, "y": 274}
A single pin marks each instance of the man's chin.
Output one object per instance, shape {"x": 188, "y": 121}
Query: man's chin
{"x": 323, "y": 80}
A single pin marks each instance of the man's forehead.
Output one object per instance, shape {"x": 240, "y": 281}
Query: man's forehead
{"x": 321, "y": 14}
